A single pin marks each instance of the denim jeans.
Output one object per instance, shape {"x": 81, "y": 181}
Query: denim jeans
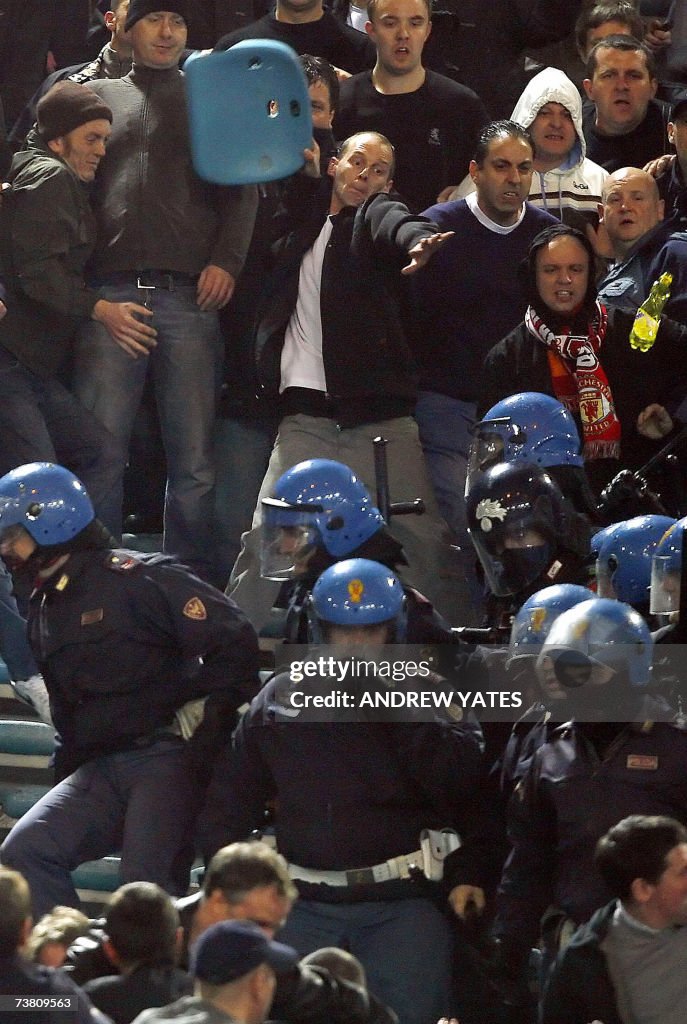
{"x": 405, "y": 947}
{"x": 242, "y": 452}
{"x": 14, "y": 646}
{"x": 41, "y": 421}
{"x": 139, "y": 801}
{"x": 185, "y": 367}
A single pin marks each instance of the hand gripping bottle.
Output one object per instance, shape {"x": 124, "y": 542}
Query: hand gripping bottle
{"x": 648, "y": 318}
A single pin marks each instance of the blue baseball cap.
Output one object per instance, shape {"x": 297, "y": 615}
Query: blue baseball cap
{"x": 231, "y": 949}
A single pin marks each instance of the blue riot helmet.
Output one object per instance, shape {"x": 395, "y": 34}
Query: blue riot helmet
{"x": 597, "y": 656}
{"x": 595, "y": 543}
{"x": 318, "y": 505}
{"x": 666, "y": 572}
{"x": 528, "y": 427}
{"x": 624, "y": 561}
{"x": 357, "y": 592}
{"x": 598, "y": 538}
{"x": 534, "y": 619}
{"x": 520, "y": 524}
{"x": 48, "y": 501}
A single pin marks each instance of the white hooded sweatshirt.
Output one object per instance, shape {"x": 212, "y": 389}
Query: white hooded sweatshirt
{"x": 571, "y": 191}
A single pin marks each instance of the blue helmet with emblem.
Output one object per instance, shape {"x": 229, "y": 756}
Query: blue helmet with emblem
{"x": 625, "y": 556}
{"x": 519, "y": 521}
{"x": 666, "y": 572}
{"x": 595, "y": 655}
{"x": 48, "y": 501}
{"x": 320, "y": 505}
{"x": 527, "y": 427}
{"x": 358, "y": 592}
{"x": 533, "y": 621}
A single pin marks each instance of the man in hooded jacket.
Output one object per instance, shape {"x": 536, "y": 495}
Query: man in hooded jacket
{"x": 565, "y": 182}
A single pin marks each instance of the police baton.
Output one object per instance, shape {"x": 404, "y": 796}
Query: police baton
{"x": 384, "y": 503}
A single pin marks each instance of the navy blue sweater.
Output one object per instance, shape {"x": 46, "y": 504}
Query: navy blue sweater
{"x": 468, "y": 297}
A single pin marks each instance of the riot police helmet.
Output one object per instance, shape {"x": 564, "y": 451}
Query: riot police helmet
{"x": 518, "y": 519}
{"x": 47, "y": 500}
{"x": 598, "y": 656}
{"x": 625, "y": 557}
{"x": 527, "y": 427}
{"x": 357, "y": 592}
{"x": 319, "y": 506}
{"x": 534, "y": 619}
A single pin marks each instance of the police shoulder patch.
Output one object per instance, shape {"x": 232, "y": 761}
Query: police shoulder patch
{"x": 195, "y": 609}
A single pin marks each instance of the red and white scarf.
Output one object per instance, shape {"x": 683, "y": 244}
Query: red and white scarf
{"x": 579, "y": 381}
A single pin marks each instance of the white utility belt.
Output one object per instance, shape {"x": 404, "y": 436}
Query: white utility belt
{"x": 435, "y": 845}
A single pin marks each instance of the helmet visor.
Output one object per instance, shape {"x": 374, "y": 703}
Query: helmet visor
{"x": 290, "y": 536}
{"x": 486, "y": 450}
{"x": 604, "y": 581}
{"x": 665, "y": 585}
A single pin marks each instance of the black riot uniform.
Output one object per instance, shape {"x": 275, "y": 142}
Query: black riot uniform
{"x": 124, "y": 642}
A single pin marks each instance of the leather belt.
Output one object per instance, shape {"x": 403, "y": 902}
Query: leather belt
{"x": 168, "y": 280}
{"x": 387, "y": 871}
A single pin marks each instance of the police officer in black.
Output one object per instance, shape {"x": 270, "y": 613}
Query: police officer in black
{"x": 354, "y": 789}
{"x": 144, "y": 664}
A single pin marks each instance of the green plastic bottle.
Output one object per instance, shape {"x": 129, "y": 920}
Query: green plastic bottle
{"x": 648, "y": 318}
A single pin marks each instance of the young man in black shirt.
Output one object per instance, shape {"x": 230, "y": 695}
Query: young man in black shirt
{"x": 432, "y": 122}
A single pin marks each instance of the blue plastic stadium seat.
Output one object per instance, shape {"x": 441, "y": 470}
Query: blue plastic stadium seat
{"x": 17, "y": 800}
{"x": 103, "y": 875}
{"x": 34, "y": 738}
{"x": 98, "y": 875}
{"x": 249, "y": 113}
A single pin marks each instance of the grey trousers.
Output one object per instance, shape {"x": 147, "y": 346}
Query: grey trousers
{"x": 434, "y": 567}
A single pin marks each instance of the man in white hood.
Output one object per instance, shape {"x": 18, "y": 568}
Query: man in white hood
{"x": 565, "y": 182}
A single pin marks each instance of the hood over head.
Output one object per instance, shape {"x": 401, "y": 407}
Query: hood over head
{"x": 553, "y": 86}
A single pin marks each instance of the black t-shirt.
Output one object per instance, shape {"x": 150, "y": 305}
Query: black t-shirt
{"x": 340, "y": 44}
{"x": 434, "y": 131}
{"x": 647, "y": 141}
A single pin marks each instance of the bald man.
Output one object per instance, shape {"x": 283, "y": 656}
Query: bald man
{"x": 644, "y": 244}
